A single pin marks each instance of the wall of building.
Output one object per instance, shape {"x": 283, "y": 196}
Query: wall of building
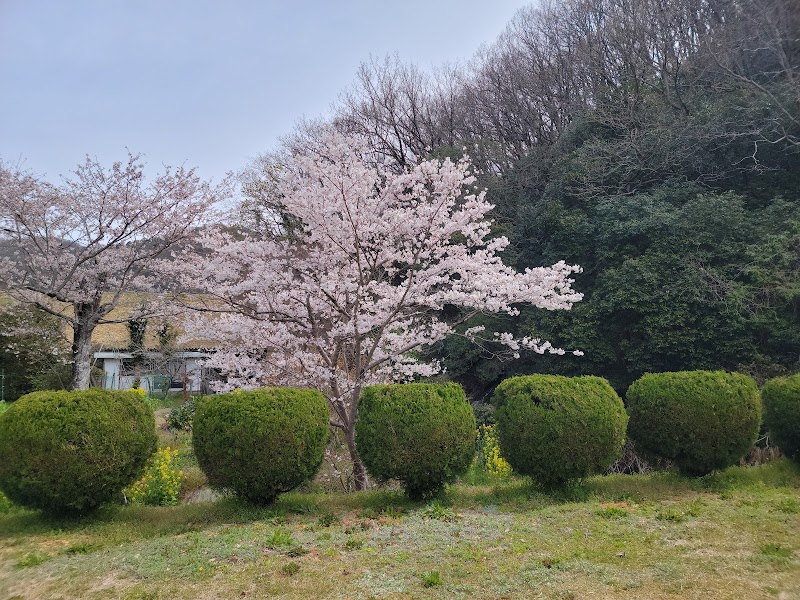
{"x": 190, "y": 373}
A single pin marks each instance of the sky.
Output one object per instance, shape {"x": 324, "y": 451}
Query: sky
{"x": 199, "y": 83}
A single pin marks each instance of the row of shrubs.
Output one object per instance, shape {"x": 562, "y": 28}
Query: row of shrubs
{"x": 556, "y": 428}
{"x": 72, "y": 451}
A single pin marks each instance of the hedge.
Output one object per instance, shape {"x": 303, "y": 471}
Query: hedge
{"x": 556, "y": 429}
{"x": 261, "y": 443}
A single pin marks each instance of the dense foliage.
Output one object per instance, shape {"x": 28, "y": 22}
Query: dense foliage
{"x": 656, "y": 144}
{"x": 420, "y": 434}
{"x": 556, "y": 428}
{"x": 72, "y": 451}
{"x": 261, "y": 443}
{"x": 700, "y": 420}
{"x": 180, "y": 418}
{"x": 782, "y": 413}
{"x": 33, "y": 352}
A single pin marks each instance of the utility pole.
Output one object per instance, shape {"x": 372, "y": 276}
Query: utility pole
{"x": 2, "y": 385}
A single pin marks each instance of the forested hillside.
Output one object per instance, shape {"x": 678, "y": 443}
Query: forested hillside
{"x": 654, "y": 142}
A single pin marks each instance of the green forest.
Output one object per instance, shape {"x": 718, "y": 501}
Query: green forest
{"x": 654, "y": 143}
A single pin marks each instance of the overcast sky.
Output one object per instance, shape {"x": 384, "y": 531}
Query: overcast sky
{"x": 202, "y": 83}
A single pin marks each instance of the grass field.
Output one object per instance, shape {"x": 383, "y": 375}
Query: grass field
{"x": 735, "y": 535}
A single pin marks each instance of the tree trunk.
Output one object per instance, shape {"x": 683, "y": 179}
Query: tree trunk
{"x": 81, "y": 355}
{"x": 359, "y": 472}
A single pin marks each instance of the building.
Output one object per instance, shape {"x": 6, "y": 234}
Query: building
{"x": 164, "y": 361}
{"x": 182, "y": 370}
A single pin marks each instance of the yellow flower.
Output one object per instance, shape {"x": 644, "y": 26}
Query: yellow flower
{"x": 490, "y": 456}
{"x": 160, "y": 484}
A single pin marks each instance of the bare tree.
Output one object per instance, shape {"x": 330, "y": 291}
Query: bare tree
{"x": 642, "y": 72}
{"x": 404, "y": 112}
{"x": 758, "y": 50}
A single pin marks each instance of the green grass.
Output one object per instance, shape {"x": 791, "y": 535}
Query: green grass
{"x": 160, "y": 400}
{"x": 730, "y": 535}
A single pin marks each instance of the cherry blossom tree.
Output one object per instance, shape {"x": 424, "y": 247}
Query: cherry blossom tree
{"x": 361, "y": 281}
{"x": 73, "y": 249}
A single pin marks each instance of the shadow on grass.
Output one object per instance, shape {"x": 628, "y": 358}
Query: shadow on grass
{"x": 120, "y": 524}
{"x": 781, "y": 473}
{"x": 524, "y": 494}
{"x": 140, "y": 521}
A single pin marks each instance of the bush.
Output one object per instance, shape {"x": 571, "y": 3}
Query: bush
{"x": 700, "y": 420}
{"x": 5, "y": 504}
{"x": 782, "y": 413}
{"x": 261, "y": 443}
{"x": 71, "y": 451}
{"x": 484, "y": 413}
{"x": 180, "y": 418}
{"x": 420, "y": 434}
{"x": 556, "y": 428}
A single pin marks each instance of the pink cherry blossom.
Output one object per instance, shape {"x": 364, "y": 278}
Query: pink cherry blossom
{"x": 352, "y": 295}
{"x": 72, "y": 250}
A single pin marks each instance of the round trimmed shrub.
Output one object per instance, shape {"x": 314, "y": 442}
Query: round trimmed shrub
{"x": 68, "y": 451}
{"x": 556, "y": 428}
{"x": 782, "y": 413}
{"x": 261, "y": 443}
{"x": 700, "y": 420}
{"x": 420, "y": 434}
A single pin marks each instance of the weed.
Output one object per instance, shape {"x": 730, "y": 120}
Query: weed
{"x": 695, "y": 508}
{"x": 279, "y": 538}
{"x": 137, "y": 593}
{"x": 277, "y": 519}
{"x": 180, "y": 418}
{"x": 82, "y": 548}
{"x": 612, "y": 512}
{"x": 353, "y": 543}
{"x": 387, "y": 510}
{"x": 549, "y": 562}
{"x": 778, "y": 473}
{"x": 5, "y": 504}
{"x": 32, "y": 559}
{"x": 303, "y": 508}
{"x": 393, "y": 512}
{"x": 327, "y": 519}
{"x": 489, "y": 456}
{"x": 160, "y": 484}
{"x": 438, "y": 511}
{"x": 370, "y": 512}
{"x": 572, "y": 491}
{"x": 359, "y": 526}
{"x": 776, "y": 551}
{"x": 788, "y": 505}
{"x": 671, "y": 514}
{"x": 431, "y": 579}
{"x": 295, "y": 551}
{"x": 290, "y": 568}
